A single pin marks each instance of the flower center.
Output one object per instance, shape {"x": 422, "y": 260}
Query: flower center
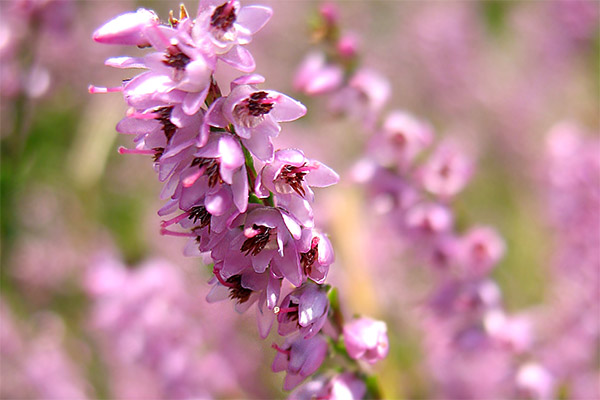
{"x": 293, "y": 177}
{"x": 164, "y": 117}
{"x": 308, "y": 259}
{"x": 251, "y": 111}
{"x": 258, "y": 104}
{"x": 158, "y": 152}
{"x": 223, "y": 17}
{"x": 175, "y": 58}
{"x": 257, "y": 242}
{"x": 237, "y": 291}
{"x": 200, "y": 213}
{"x": 210, "y": 167}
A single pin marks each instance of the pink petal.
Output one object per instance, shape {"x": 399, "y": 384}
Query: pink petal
{"x": 252, "y": 79}
{"x": 230, "y": 152}
{"x": 125, "y": 62}
{"x": 254, "y": 18}
{"x": 239, "y": 58}
{"x": 322, "y": 176}
{"x": 126, "y": 29}
{"x": 260, "y": 145}
{"x": 286, "y": 108}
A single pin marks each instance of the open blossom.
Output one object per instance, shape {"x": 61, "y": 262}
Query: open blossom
{"x": 227, "y": 26}
{"x": 401, "y": 139}
{"x": 316, "y": 254}
{"x": 266, "y": 237}
{"x": 255, "y": 114}
{"x": 346, "y": 386}
{"x": 300, "y": 358}
{"x": 289, "y": 177}
{"x": 446, "y": 172}
{"x": 304, "y": 309}
{"x": 366, "y": 339}
{"x": 480, "y": 250}
{"x": 315, "y": 77}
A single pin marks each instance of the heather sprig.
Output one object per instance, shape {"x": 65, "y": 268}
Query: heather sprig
{"x": 412, "y": 180}
{"x": 257, "y": 226}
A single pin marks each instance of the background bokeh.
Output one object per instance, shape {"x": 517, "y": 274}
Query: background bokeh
{"x": 95, "y": 303}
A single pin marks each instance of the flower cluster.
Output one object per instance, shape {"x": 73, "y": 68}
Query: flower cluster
{"x": 412, "y": 181}
{"x": 256, "y": 224}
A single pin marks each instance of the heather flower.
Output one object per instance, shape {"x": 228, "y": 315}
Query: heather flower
{"x": 535, "y": 382}
{"x": 216, "y": 166}
{"x": 255, "y": 115}
{"x": 316, "y": 254}
{"x": 446, "y": 172}
{"x": 364, "y": 97}
{"x": 431, "y": 218}
{"x": 346, "y": 386}
{"x": 300, "y": 358}
{"x": 314, "y": 76}
{"x": 289, "y": 176}
{"x": 227, "y": 26}
{"x": 304, "y": 309}
{"x": 127, "y": 29}
{"x": 402, "y": 138}
{"x": 480, "y": 249}
{"x": 267, "y": 238}
{"x": 514, "y": 332}
{"x": 366, "y": 339}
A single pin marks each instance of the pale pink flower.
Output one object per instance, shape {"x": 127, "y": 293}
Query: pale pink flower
{"x": 314, "y": 76}
{"x": 300, "y": 358}
{"x": 366, "y": 339}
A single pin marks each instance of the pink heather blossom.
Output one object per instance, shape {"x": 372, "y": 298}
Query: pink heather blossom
{"x": 446, "y": 172}
{"x": 430, "y": 218}
{"x": 304, "y": 309}
{"x": 347, "y": 45}
{"x": 316, "y": 254}
{"x": 227, "y": 26}
{"x": 266, "y": 238}
{"x": 535, "y": 382}
{"x": 127, "y": 29}
{"x": 401, "y": 139}
{"x": 346, "y": 386}
{"x": 366, "y": 339}
{"x": 299, "y": 358}
{"x": 247, "y": 288}
{"x": 289, "y": 177}
{"x": 364, "y": 97}
{"x": 217, "y": 167}
{"x": 514, "y": 332}
{"x": 314, "y": 76}
{"x": 480, "y": 249}
{"x": 255, "y": 115}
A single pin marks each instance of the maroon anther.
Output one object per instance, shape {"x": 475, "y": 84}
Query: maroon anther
{"x": 211, "y": 169}
{"x": 175, "y": 58}
{"x": 236, "y": 290}
{"x": 259, "y": 104}
{"x": 308, "y": 259}
{"x": 164, "y": 118}
{"x": 199, "y": 213}
{"x": 294, "y": 176}
{"x": 257, "y": 243}
{"x": 158, "y": 152}
{"x": 223, "y": 17}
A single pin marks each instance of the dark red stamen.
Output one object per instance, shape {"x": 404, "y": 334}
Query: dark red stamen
{"x": 294, "y": 176}
{"x": 257, "y": 243}
{"x": 211, "y": 169}
{"x": 259, "y": 104}
{"x": 175, "y": 58}
{"x": 223, "y": 17}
